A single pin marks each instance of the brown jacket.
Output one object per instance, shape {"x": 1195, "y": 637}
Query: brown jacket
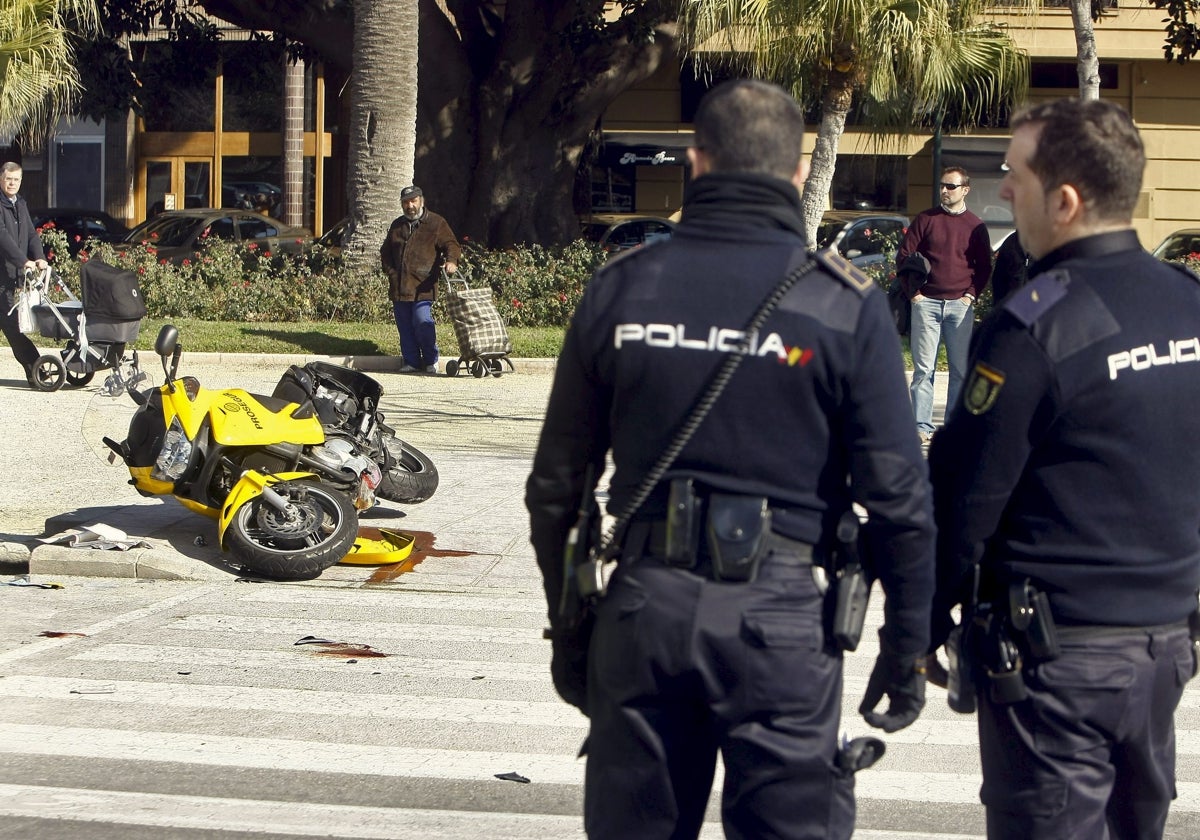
{"x": 413, "y": 254}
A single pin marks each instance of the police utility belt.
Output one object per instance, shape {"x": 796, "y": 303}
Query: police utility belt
{"x": 996, "y": 641}
{"x": 1000, "y": 638}
{"x": 723, "y": 536}
{"x": 727, "y": 537}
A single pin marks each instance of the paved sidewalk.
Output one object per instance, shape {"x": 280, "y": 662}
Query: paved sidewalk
{"x": 480, "y": 433}
{"x": 55, "y": 480}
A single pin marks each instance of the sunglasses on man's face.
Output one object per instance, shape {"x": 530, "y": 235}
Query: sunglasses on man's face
{"x": 951, "y": 187}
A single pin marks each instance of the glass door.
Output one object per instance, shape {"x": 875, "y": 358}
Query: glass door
{"x": 175, "y": 183}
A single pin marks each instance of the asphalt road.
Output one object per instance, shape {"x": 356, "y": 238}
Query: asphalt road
{"x": 151, "y": 709}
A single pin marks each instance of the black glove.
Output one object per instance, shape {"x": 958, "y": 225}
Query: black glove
{"x": 569, "y": 662}
{"x": 902, "y": 678}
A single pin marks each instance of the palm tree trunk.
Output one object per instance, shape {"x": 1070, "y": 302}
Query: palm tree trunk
{"x": 834, "y": 108}
{"x": 1086, "y": 59}
{"x": 383, "y": 122}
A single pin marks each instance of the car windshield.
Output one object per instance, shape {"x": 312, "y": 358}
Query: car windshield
{"x": 827, "y": 231}
{"x": 165, "y": 231}
{"x": 594, "y": 231}
{"x": 1178, "y": 246}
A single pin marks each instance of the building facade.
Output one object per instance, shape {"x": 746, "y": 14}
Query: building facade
{"x": 639, "y": 168}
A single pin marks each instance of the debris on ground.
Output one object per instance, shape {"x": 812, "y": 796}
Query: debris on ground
{"x": 25, "y": 580}
{"x": 97, "y": 535}
{"x": 342, "y": 649}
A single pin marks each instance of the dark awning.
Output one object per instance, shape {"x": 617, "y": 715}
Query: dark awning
{"x": 644, "y": 148}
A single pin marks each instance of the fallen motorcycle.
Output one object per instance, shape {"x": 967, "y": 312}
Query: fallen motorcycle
{"x": 284, "y": 476}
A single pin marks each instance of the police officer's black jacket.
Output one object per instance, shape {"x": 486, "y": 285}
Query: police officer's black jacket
{"x": 1086, "y": 387}
{"x": 816, "y": 416}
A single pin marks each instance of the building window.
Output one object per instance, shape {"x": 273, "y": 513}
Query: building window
{"x": 613, "y": 189}
{"x": 1065, "y": 75}
{"x": 77, "y": 172}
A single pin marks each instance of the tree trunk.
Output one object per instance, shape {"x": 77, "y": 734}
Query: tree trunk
{"x": 834, "y": 108}
{"x": 1087, "y": 61}
{"x": 383, "y": 124}
{"x": 506, "y": 113}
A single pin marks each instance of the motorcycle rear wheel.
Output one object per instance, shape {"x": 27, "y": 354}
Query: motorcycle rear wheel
{"x": 267, "y": 543}
{"x": 409, "y": 475}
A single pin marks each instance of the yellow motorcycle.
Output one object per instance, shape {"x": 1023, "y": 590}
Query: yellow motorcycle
{"x": 286, "y": 503}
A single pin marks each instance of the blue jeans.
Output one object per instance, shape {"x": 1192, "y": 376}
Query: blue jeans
{"x": 935, "y": 321}
{"x": 418, "y": 338}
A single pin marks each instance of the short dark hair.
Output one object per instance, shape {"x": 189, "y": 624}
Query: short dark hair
{"x": 1094, "y": 146}
{"x": 966, "y": 179}
{"x": 748, "y": 125}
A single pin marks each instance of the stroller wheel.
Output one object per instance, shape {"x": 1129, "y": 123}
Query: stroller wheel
{"x": 78, "y": 380}
{"x": 48, "y": 373}
{"x": 452, "y": 367}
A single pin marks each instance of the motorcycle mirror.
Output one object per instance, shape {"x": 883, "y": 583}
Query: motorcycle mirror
{"x": 168, "y": 339}
{"x": 167, "y": 344}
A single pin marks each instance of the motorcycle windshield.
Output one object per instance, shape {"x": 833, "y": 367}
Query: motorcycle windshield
{"x": 107, "y": 416}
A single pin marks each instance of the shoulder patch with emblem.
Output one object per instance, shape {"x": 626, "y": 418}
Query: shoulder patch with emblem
{"x": 982, "y": 388}
{"x": 844, "y": 270}
{"x": 1035, "y": 298}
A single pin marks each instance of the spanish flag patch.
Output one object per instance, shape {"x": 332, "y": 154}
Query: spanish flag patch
{"x": 982, "y": 388}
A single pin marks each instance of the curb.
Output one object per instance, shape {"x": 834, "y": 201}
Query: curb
{"x": 367, "y": 364}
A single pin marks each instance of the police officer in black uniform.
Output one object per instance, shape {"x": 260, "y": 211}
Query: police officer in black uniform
{"x": 1070, "y": 473}
{"x": 682, "y": 665}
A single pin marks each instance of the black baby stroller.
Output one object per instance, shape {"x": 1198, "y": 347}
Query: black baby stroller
{"x": 96, "y": 326}
{"x": 482, "y": 339}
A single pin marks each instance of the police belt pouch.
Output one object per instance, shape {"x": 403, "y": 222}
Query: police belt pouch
{"x": 735, "y": 529}
{"x": 684, "y": 509}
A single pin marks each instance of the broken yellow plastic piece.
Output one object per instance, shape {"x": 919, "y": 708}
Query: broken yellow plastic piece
{"x": 389, "y": 547}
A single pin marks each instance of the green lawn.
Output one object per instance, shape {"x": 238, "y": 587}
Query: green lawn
{"x": 346, "y": 339}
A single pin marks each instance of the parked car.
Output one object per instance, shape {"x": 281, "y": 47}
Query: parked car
{"x": 333, "y": 239}
{"x": 999, "y": 221}
{"x": 81, "y": 225}
{"x": 178, "y": 234}
{"x": 865, "y": 239}
{"x": 253, "y": 194}
{"x": 1179, "y": 244}
{"x": 621, "y": 234}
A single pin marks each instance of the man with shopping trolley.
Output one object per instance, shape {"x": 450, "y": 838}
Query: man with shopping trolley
{"x": 418, "y": 246}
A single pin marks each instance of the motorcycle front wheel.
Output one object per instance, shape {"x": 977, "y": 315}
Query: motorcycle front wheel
{"x": 409, "y": 476}
{"x": 315, "y": 532}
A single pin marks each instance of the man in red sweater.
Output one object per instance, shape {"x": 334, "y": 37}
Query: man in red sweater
{"x": 955, "y": 241}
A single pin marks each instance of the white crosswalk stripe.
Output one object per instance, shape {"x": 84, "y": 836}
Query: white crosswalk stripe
{"x": 210, "y": 685}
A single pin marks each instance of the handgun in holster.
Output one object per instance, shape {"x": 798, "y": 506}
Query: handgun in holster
{"x": 852, "y": 586}
{"x": 1001, "y": 658}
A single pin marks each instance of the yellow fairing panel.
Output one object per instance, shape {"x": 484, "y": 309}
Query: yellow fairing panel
{"x": 239, "y": 419}
{"x": 144, "y": 482}
{"x": 249, "y": 487}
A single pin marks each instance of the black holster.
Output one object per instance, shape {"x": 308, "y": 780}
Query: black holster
{"x": 852, "y": 586}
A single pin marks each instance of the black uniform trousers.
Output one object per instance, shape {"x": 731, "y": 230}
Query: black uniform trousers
{"x": 1090, "y": 754}
{"x": 23, "y": 348}
{"x": 682, "y": 666}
